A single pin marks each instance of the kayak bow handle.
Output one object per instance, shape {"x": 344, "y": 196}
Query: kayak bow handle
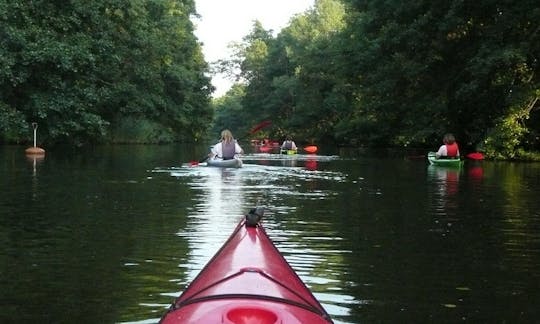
{"x": 254, "y": 216}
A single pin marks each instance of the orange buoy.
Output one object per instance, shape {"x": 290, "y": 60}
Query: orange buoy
{"x": 35, "y": 150}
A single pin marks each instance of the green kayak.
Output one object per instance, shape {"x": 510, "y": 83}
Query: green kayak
{"x": 288, "y": 152}
{"x": 432, "y": 158}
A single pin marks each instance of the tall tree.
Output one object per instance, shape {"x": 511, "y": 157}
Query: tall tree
{"x": 84, "y": 70}
{"x": 426, "y": 68}
{"x": 389, "y": 73}
{"x": 293, "y": 76}
{"x": 315, "y": 58}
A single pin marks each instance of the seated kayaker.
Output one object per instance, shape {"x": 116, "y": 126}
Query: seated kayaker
{"x": 288, "y": 144}
{"x": 227, "y": 148}
{"x": 449, "y": 149}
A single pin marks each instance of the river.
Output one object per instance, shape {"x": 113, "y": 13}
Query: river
{"x": 114, "y": 234}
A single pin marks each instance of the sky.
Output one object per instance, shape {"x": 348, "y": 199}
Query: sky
{"x": 225, "y": 21}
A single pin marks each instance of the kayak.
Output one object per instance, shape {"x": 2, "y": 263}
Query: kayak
{"x": 232, "y": 163}
{"x": 265, "y": 149}
{"x": 288, "y": 152}
{"x": 433, "y": 160}
{"x": 248, "y": 281}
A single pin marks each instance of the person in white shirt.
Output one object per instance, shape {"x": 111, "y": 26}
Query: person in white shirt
{"x": 449, "y": 149}
{"x": 227, "y": 148}
{"x": 288, "y": 144}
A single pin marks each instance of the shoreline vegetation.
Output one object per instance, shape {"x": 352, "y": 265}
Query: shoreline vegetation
{"x": 416, "y": 153}
{"x": 347, "y": 73}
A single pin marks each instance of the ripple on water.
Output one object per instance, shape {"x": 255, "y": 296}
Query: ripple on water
{"x": 307, "y": 246}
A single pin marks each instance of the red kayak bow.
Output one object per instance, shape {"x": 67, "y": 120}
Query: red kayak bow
{"x": 248, "y": 281}
{"x": 310, "y": 148}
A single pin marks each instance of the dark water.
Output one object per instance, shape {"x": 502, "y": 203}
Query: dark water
{"x": 112, "y": 235}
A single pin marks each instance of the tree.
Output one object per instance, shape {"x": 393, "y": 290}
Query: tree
{"x": 289, "y": 76}
{"x": 87, "y": 71}
{"x": 426, "y": 68}
{"x": 229, "y": 110}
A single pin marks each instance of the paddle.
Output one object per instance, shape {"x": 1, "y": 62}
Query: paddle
{"x": 253, "y": 130}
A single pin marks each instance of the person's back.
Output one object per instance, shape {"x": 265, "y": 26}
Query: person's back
{"x": 288, "y": 144}
{"x": 227, "y": 148}
{"x": 449, "y": 149}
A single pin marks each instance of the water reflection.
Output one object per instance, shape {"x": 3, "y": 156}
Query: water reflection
{"x": 475, "y": 173}
{"x": 446, "y": 206}
{"x": 311, "y": 252}
{"x": 217, "y": 210}
{"x": 224, "y": 195}
{"x": 311, "y": 164}
{"x": 35, "y": 160}
{"x": 446, "y": 179}
{"x": 122, "y": 230}
{"x": 307, "y": 161}
{"x": 289, "y": 161}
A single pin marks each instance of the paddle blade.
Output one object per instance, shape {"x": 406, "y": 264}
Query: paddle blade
{"x": 475, "y": 156}
{"x": 259, "y": 126}
{"x": 310, "y": 149}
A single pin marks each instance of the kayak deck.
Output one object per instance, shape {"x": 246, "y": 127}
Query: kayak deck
{"x": 232, "y": 163}
{"x": 247, "y": 281}
{"x": 433, "y": 160}
{"x": 288, "y": 152}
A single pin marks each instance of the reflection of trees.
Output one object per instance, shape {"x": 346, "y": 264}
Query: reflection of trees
{"x": 519, "y": 221}
{"x": 219, "y": 207}
{"x": 312, "y": 248}
{"x": 288, "y": 161}
{"x": 370, "y": 238}
{"x": 91, "y": 237}
{"x": 446, "y": 179}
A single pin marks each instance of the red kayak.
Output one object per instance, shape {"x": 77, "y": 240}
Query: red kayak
{"x": 311, "y": 149}
{"x": 248, "y": 281}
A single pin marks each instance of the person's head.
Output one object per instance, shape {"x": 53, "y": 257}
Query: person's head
{"x": 288, "y": 138}
{"x": 226, "y": 135}
{"x": 449, "y": 139}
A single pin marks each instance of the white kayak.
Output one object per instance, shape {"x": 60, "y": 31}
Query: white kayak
{"x": 232, "y": 163}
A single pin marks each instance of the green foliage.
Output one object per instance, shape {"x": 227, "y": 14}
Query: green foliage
{"x": 505, "y": 139}
{"x": 289, "y": 81}
{"x": 400, "y": 74}
{"x": 449, "y": 66}
{"x": 12, "y": 125}
{"x": 228, "y": 111}
{"x": 132, "y": 130}
{"x": 77, "y": 68}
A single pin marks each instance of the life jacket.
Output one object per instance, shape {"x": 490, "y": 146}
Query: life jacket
{"x": 228, "y": 149}
{"x": 288, "y": 145}
{"x": 452, "y": 150}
